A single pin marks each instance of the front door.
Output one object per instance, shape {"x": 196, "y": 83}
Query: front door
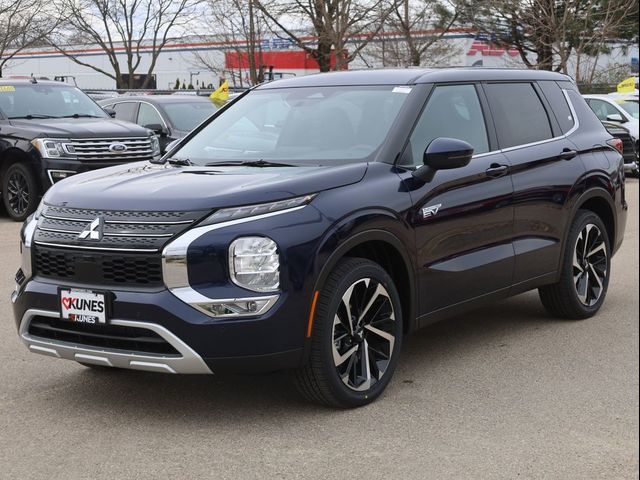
{"x": 463, "y": 218}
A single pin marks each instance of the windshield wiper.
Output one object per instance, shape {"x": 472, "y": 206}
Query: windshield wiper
{"x": 31, "y": 116}
{"x": 185, "y": 162}
{"x": 248, "y": 163}
{"x": 80, "y": 115}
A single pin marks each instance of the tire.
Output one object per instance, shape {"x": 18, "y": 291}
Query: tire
{"x": 331, "y": 377}
{"x": 583, "y": 283}
{"x": 19, "y": 191}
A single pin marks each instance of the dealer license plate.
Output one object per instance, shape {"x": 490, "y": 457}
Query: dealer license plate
{"x": 83, "y": 306}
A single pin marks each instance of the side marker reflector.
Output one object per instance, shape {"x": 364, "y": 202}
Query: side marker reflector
{"x": 312, "y": 313}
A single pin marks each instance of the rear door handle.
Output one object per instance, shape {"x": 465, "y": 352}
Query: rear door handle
{"x": 496, "y": 170}
{"x": 567, "y": 154}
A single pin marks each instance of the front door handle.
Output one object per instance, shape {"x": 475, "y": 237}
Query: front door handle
{"x": 567, "y": 154}
{"x": 496, "y": 170}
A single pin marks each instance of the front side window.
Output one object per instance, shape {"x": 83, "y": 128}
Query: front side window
{"x": 602, "y": 109}
{"x": 147, "y": 115}
{"x": 310, "y": 125}
{"x": 631, "y": 107}
{"x": 46, "y": 101}
{"x": 452, "y": 111}
{"x": 518, "y": 113}
{"x": 186, "y": 116}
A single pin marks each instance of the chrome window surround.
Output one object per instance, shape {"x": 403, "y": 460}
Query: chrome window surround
{"x": 188, "y": 361}
{"x": 576, "y": 125}
{"x": 175, "y": 272}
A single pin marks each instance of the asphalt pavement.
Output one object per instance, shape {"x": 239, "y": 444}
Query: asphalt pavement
{"x": 504, "y": 392}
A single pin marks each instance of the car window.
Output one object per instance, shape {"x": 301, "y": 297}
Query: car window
{"x": 602, "y": 109}
{"x": 518, "y": 113}
{"x": 45, "y": 99}
{"x": 186, "y": 116}
{"x": 148, "y": 115}
{"x": 559, "y": 104}
{"x": 318, "y": 125}
{"x": 454, "y": 112}
{"x": 126, "y": 111}
{"x": 631, "y": 107}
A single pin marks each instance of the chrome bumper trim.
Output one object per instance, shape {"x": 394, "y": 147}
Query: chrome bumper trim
{"x": 188, "y": 361}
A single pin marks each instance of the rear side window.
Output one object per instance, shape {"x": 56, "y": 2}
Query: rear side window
{"x": 602, "y": 109}
{"x": 452, "y": 111}
{"x": 126, "y": 111}
{"x": 558, "y": 103}
{"x": 518, "y": 113}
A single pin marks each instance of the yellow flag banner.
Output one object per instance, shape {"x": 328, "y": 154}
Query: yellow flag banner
{"x": 627, "y": 86}
{"x": 221, "y": 94}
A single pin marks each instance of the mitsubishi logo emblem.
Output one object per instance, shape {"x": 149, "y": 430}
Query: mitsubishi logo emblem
{"x": 93, "y": 231}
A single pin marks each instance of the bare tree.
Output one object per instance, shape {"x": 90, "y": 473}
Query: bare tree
{"x": 134, "y": 28}
{"x": 548, "y": 33}
{"x": 241, "y": 26}
{"x": 333, "y": 23}
{"x": 23, "y": 24}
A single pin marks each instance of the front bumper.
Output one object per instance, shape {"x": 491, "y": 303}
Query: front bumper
{"x": 274, "y": 341}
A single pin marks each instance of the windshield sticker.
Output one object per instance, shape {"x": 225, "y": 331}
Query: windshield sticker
{"x": 405, "y": 90}
{"x": 7, "y": 88}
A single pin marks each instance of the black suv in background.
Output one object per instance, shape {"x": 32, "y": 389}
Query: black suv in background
{"x": 314, "y": 221}
{"x": 50, "y": 131}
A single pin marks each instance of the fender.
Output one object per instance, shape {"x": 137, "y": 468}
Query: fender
{"x": 336, "y": 244}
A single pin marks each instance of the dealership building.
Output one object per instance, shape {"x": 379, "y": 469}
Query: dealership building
{"x": 204, "y": 61}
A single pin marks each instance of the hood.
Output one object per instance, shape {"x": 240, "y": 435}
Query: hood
{"x": 145, "y": 186}
{"x": 80, "y": 128}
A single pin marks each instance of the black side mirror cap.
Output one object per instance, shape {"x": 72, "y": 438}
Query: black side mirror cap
{"x": 443, "y": 153}
{"x": 157, "y": 129}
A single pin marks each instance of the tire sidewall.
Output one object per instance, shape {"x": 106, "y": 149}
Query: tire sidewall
{"x": 31, "y": 184}
{"x": 582, "y": 220}
{"x": 347, "y": 396}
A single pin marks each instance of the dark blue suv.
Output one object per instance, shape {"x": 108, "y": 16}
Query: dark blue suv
{"x": 314, "y": 221}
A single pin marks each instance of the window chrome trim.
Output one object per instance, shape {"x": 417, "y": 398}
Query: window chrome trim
{"x": 576, "y": 125}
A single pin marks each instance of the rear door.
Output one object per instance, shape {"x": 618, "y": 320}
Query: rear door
{"x": 545, "y": 165}
{"x": 463, "y": 218}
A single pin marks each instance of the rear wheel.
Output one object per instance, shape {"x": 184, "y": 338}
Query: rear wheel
{"x": 585, "y": 271}
{"x": 356, "y": 339}
{"x": 19, "y": 191}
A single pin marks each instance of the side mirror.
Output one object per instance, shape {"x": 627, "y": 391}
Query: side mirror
{"x": 443, "y": 154}
{"x": 110, "y": 111}
{"x": 616, "y": 117}
{"x": 157, "y": 129}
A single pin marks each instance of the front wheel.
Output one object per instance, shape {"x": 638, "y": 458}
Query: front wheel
{"x": 19, "y": 191}
{"x": 356, "y": 338}
{"x": 584, "y": 278}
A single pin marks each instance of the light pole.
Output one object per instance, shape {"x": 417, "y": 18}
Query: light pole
{"x": 191, "y": 75}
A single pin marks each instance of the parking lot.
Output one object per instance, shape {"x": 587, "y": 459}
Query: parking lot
{"x": 504, "y": 392}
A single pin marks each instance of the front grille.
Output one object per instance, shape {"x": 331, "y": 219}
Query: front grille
{"x": 127, "y": 251}
{"x": 127, "y": 149}
{"x": 104, "y": 268}
{"x": 121, "y": 230}
{"x": 118, "y": 337}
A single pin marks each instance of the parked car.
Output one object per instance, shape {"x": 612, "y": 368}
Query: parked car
{"x": 621, "y": 109}
{"x": 49, "y": 131}
{"x": 171, "y": 117}
{"x": 314, "y": 221}
{"x": 628, "y": 147}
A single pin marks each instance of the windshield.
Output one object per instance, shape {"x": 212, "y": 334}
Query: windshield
{"x": 312, "y": 125}
{"x": 631, "y": 107}
{"x": 186, "y": 116}
{"x": 46, "y": 101}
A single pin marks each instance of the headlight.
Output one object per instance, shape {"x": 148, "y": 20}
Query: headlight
{"x": 254, "y": 264}
{"x": 155, "y": 145}
{"x": 235, "y": 213}
{"x": 52, "y": 147}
